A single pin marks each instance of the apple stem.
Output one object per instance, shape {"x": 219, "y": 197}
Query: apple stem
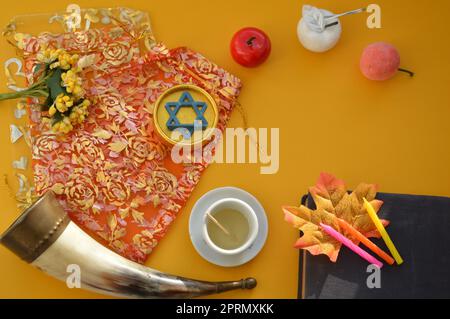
{"x": 411, "y": 74}
{"x": 331, "y": 24}
{"x": 250, "y": 41}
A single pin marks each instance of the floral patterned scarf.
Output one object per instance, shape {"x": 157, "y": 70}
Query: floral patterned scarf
{"x": 113, "y": 174}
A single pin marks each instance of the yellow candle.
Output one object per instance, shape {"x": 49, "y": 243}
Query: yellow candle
{"x": 373, "y": 215}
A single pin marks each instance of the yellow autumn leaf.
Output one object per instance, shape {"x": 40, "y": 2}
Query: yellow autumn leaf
{"x": 117, "y": 146}
{"x": 102, "y": 134}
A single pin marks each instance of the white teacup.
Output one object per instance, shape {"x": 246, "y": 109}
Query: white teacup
{"x": 245, "y": 210}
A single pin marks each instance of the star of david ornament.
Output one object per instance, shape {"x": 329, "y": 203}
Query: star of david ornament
{"x": 186, "y": 100}
{"x": 184, "y": 113}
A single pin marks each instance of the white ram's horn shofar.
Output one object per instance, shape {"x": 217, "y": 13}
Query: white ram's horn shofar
{"x": 45, "y": 237}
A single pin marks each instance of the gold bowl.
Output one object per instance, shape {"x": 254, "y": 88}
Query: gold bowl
{"x": 185, "y": 115}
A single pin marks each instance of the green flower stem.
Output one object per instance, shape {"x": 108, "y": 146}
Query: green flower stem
{"x": 39, "y": 89}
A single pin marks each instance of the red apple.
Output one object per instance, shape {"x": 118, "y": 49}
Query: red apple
{"x": 250, "y": 47}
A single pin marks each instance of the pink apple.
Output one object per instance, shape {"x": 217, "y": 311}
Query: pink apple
{"x": 379, "y": 61}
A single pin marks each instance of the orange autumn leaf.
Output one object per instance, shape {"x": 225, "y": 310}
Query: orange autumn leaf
{"x": 333, "y": 201}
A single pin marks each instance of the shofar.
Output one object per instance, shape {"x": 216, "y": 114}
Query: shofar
{"x": 45, "y": 237}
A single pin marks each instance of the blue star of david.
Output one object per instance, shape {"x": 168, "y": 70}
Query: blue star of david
{"x": 186, "y": 100}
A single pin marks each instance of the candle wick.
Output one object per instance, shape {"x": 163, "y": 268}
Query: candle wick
{"x": 250, "y": 41}
{"x": 411, "y": 74}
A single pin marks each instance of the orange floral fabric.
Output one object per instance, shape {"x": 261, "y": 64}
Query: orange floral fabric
{"x": 113, "y": 174}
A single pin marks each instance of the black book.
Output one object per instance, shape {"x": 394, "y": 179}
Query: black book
{"x": 419, "y": 228}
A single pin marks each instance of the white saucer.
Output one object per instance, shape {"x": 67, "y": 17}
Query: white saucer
{"x": 196, "y": 227}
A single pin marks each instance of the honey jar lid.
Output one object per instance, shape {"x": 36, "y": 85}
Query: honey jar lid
{"x": 185, "y": 114}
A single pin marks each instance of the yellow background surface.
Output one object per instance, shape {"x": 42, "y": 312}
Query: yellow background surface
{"x": 331, "y": 118}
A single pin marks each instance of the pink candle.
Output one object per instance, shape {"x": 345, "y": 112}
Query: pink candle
{"x": 347, "y": 242}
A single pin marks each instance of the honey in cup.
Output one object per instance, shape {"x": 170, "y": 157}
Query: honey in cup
{"x": 230, "y": 226}
{"x": 234, "y": 222}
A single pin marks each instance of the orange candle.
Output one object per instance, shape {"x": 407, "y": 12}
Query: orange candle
{"x": 352, "y": 231}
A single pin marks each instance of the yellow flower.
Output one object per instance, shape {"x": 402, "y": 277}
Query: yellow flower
{"x": 56, "y": 126}
{"x": 64, "y": 61}
{"x": 45, "y": 119}
{"x": 54, "y": 65}
{"x": 63, "y": 126}
{"x": 67, "y": 125}
{"x": 72, "y": 82}
{"x": 74, "y": 59}
{"x": 48, "y": 55}
{"x": 52, "y": 110}
{"x": 61, "y": 107}
{"x": 72, "y": 101}
{"x": 79, "y": 112}
{"x": 63, "y": 102}
{"x": 58, "y": 58}
{"x": 77, "y": 90}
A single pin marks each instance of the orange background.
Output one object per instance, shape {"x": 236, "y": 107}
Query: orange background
{"x": 331, "y": 118}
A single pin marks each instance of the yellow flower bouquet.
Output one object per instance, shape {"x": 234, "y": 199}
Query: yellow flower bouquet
{"x": 58, "y": 81}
